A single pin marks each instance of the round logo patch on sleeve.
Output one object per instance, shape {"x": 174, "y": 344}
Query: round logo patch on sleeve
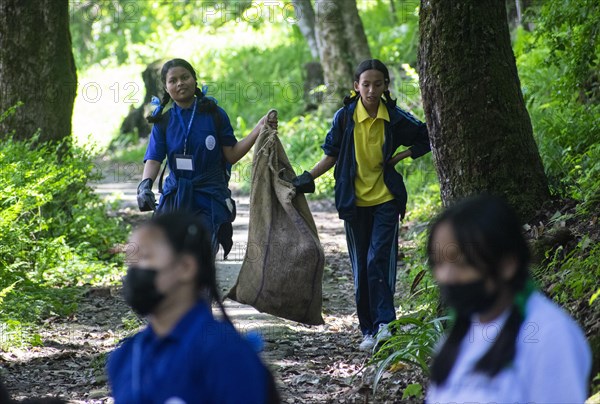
{"x": 210, "y": 142}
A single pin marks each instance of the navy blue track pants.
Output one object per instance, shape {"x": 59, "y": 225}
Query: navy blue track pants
{"x": 372, "y": 239}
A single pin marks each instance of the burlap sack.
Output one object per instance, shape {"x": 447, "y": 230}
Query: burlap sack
{"x": 283, "y": 266}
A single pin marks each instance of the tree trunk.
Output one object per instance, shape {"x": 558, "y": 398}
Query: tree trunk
{"x": 136, "y": 119}
{"x": 393, "y": 11}
{"x": 342, "y": 45}
{"x": 480, "y": 131}
{"x": 36, "y": 68}
{"x": 519, "y": 11}
{"x": 306, "y": 22}
{"x": 355, "y": 33}
{"x": 313, "y": 79}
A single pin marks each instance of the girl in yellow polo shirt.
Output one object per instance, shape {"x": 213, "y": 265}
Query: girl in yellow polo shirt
{"x": 370, "y": 194}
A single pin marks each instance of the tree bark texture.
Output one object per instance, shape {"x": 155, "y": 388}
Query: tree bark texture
{"x": 136, "y": 119}
{"x": 306, "y": 24}
{"x": 481, "y": 134}
{"x": 342, "y": 44}
{"x": 36, "y": 68}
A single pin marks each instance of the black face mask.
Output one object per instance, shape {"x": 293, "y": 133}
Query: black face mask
{"x": 139, "y": 290}
{"x": 468, "y": 298}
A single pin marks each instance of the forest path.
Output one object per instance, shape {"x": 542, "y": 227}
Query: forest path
{"x": 310, "y": 363}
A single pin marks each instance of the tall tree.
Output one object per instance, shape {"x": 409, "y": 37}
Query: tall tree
{"x": 36, "y": 68}
{"x": 480, "y": 131}
{"x": 342, "y": 43}
{"x": 305, "y": 15}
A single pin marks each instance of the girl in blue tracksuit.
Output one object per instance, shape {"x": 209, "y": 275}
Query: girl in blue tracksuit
{"x": 184, "y": 355}
{"x": 197, "y": 138}
{"x": 370, "y": 195}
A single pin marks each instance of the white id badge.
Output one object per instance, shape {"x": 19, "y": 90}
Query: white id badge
{"x": 184, "y": 162}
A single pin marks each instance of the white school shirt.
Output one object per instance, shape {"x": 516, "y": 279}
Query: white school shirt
{"x": 552, "y": 362}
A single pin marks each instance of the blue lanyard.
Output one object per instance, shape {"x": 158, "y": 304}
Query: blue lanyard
{"x": 189, "y": 127}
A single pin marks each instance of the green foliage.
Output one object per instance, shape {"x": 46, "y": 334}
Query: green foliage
{"x": 574, "y": 276}
{"x": 98, "y": 363}
{"x": 413, "y": 342}
{"x": 413, "y": 390}
{"x": 393, "y": 36}
{"x": 247, "y": 87}
{"x": 101, "y": 31}
{"x": 113, "y": 32}
{"x": 133, "y": 154}
{"x": 302, "y": 138}
{"x": 595, "y": 296}
{"x": 6, "y": 291}
{"x": 422, "y": 294}
{"x": 422, "y": 187}
{"x": 233, "y": 65}
{"x": 10, "y": 111}
{"x": 585, "y": 170}
{"x": 571, "y": 32}
{"x": 566, "y": 125}
{"x": 558, "y": 67}
{"x": 54, "y": 231}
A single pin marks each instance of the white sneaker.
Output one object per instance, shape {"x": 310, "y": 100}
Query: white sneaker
{"x": 384, "y": 333}
{"x": 367, "y": 343}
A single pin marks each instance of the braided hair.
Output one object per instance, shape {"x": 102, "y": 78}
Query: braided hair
{"x": 487, "y": 231}
{"x": 372, "y": 64}
{"x": 205, "y": 104}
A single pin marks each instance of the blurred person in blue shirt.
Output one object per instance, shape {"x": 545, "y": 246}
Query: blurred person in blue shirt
{"x": 184, "y": 355}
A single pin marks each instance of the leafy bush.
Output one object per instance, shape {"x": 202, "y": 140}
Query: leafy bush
{"x": 413, "y": 342}
{"x": 572, "y": 277}
{"x": 393, "y": 35}
{"x": 302, "y": 138}
{"x": 55, "y": 234}
{"x": 570, "y": 31}
{"x": 559, "y": 92}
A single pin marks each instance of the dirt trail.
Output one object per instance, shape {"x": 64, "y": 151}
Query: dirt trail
{"x": 311, "y": 364}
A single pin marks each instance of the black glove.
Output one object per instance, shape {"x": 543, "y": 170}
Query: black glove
{"x": 304, "y": 183}
{"x": 145, "y": 196}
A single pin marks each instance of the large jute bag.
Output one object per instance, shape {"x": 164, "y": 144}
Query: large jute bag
{"x": 282, "y": 270}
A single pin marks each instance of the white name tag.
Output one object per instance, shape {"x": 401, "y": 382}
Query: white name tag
{"x": 184, "y": 162}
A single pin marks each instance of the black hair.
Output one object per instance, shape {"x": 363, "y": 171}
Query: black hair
{"x": 487, "y": 230}
{"x": 205, "y": 104}
{"x": 372, "y": 64}
{"x": 186, "y": 234}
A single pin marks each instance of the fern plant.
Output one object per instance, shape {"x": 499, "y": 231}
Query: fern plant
{"x": 413, "y": 342}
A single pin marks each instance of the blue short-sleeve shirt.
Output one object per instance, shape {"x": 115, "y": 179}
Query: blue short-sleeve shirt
{"x": 201, "y": 361}
{"x": 204, "y": 144}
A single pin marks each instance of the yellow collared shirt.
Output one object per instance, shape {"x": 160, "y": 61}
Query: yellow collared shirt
{"x": 368, "y": 144}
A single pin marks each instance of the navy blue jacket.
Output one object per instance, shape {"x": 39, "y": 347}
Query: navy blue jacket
{"x": 402, "y": 130}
